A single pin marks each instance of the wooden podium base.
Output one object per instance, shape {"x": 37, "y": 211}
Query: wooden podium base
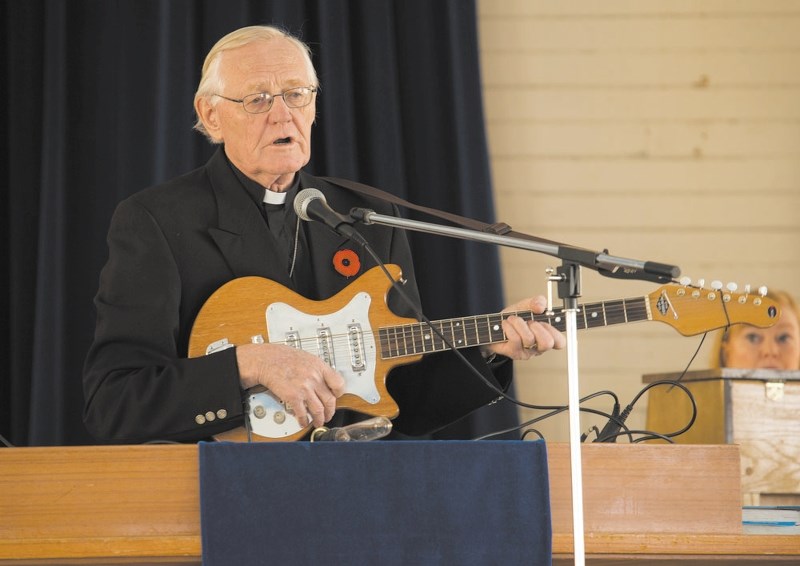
{"x": 140, "y": 505}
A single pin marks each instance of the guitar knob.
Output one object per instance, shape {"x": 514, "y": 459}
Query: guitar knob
{"x": 716, "y": 284}
{"x": 732, "y": 287}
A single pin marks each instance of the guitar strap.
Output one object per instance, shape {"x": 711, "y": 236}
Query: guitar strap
{"x": 498, "y": 228}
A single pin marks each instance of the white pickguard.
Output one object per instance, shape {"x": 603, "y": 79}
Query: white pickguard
{"x": 343, "y": 339}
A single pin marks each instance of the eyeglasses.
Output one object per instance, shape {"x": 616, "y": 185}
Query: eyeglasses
{"x": 261, "y": 102}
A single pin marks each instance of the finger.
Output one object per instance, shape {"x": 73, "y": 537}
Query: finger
{"x": 316, "y": 410}
{"x": 519, "y": 333}
{"x": 551, "y": 338}
{"x": 334, "y": 381}
{"x": 298, "y": 409}
{"x": 544, "y": 339}
{"x": 538, "y": 304}
{"x": 559, "y": 340}
{"x": 327, "y": 399}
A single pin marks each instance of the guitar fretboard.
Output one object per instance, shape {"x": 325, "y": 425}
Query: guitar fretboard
{"x": 418, "y": 338}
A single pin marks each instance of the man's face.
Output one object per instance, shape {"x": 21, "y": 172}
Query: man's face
{"x": 272, "y": 146}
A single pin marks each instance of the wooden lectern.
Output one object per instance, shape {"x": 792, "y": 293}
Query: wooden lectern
{"x": 644, "y": 504}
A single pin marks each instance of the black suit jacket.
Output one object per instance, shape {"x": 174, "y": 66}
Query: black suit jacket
{"x": 170, "y": 248}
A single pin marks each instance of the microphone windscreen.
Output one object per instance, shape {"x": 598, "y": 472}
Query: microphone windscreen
{"x": 303, "y": 199}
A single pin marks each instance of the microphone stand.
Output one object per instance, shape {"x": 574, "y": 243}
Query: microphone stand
{"x": 568, "y": 284}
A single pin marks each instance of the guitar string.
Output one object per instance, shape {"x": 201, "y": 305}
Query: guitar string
{"x": 634, "y": 309}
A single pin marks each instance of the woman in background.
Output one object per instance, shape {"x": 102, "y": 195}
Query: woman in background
{"x": 778, "y": 347}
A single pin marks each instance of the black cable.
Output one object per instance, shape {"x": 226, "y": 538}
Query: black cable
{"x": 5, "y": 442}
{"x": 551, "y": 413}
{"x": 530, "y": 430}
{"x": 697, "y": 351}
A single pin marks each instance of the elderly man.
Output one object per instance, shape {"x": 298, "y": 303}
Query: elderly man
{"x": 171, "y": 246}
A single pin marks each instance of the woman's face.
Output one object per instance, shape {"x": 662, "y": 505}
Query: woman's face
{"x": 777, "y": 347}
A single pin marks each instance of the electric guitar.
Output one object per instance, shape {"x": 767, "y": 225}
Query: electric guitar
{"x": 355, "y": 332}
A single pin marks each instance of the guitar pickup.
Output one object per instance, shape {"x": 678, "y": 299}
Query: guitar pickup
{"x": 355, "y": 338}
{"x": 293, "y": 339}
{"x": 325, "y": 346}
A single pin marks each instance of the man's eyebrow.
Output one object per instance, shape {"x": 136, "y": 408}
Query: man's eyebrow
{"x": 262, "y": 87}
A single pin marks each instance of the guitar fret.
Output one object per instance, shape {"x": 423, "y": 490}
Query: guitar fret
{"x": 595, "y": 315}
{"x": 471, "y": 330}
{"x": 416, "y": 337}
{"x": 496, "y": 333}
{"x": 637, "y": 311}
{"x": 457, "y": 326}
{"x": 484, "y": 330}
{"x": 383, "y": 339}
{"x": 438, "y": 343}
{"x": 406, "y": 331}
{"x": 614, "y": 312}
{"x": 393, "y": 344}
{"x": 427, "y": 345}
{"x": 582, "y": 320}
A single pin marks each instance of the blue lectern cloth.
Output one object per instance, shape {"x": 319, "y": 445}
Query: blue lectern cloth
{"x": 381, "y": 502}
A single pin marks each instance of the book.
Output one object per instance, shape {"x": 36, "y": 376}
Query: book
{"x": 777, "y": 519}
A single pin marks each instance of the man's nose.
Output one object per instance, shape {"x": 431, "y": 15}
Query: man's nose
{"x": 280, "y": 111}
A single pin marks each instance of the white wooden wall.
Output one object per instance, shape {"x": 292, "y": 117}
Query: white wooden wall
{"x": 663, "y": 130}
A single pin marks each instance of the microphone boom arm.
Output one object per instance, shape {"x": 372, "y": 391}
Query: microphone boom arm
{"x": 604, "y": 264}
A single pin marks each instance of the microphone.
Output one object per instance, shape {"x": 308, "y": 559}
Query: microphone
{"x": 370, "y": 429}
{"x": 310, "y": 204}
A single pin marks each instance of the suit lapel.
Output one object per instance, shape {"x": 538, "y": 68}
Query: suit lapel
{"x": 323, "y": 243}
{"x": 241, "y": 236}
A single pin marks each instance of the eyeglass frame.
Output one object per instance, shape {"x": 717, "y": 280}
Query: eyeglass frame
{"x": 313, "y": 89}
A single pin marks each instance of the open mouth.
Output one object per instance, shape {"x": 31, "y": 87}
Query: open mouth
{"x": 282, "y": 141}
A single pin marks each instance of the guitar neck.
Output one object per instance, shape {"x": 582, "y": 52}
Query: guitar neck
{"x": 417, "y": 338}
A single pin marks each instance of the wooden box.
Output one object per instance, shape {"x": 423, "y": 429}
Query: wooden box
{"x": 757, "y": 409}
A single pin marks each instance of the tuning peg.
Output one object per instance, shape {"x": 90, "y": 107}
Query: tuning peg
{"x": 747, "y": 289}
{"x": 701, "y": 282}
{"x": 716, "y": 284}
{"x": 731, "y": 287}
{"x": 685, "y": 281}
{"x": 762, "y": 291}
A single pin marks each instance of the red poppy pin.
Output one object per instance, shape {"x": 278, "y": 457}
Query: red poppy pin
{"x": 346, "y": 262}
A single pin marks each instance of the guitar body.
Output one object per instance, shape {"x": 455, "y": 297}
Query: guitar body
{"x": 342, "y": 330}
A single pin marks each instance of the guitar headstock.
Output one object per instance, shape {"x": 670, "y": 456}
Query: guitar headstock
{"x": 694, "y": 309}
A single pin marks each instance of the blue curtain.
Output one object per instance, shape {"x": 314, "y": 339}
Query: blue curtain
{"x": 98, "y": 105}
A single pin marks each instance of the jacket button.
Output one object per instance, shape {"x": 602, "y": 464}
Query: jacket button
{"x": 200, "y": 419}
{"x": 222, "y": 413}
{"x": 210, "y": 416}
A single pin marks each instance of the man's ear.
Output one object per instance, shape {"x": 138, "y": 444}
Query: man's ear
{"x": 209, "y": 117}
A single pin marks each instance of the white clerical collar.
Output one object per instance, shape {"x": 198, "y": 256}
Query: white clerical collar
{"x": 272, "y": 197}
